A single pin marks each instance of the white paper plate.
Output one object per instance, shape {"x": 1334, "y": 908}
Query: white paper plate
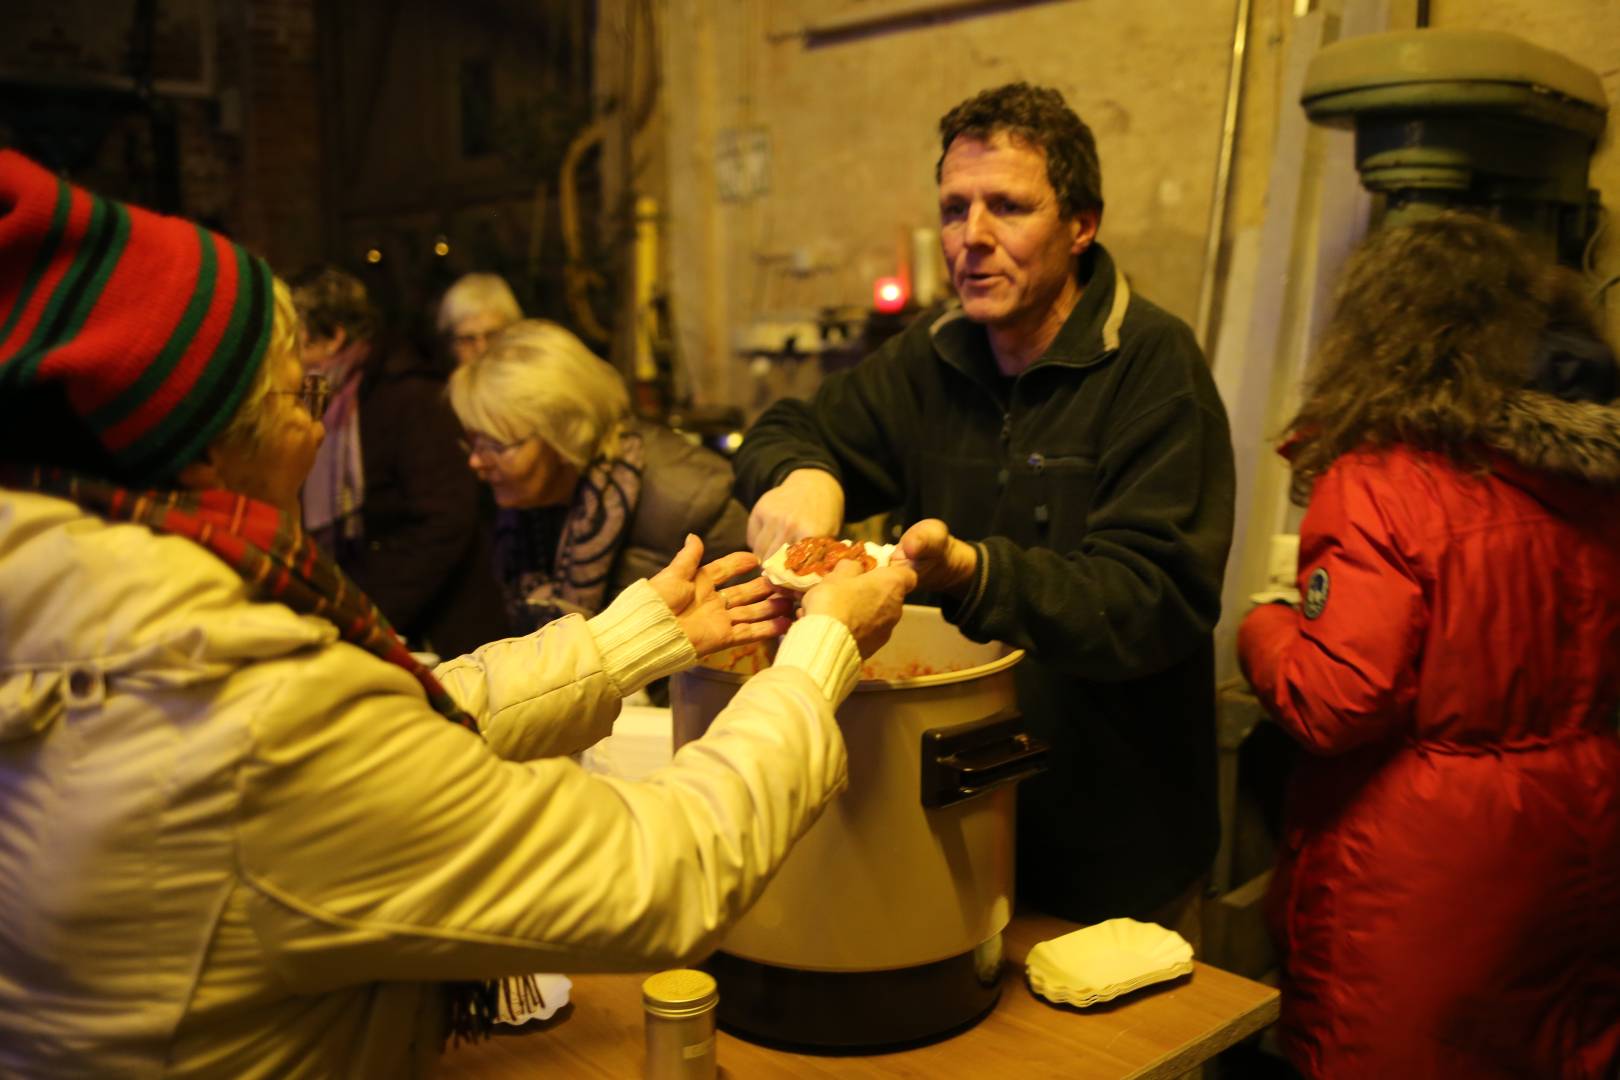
{"x": 1101, "y": 962}
{"x": 554, "y": 995}
{"x": 776, "y": 572}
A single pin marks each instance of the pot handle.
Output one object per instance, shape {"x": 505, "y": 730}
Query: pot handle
{"x": 963, "y": 761}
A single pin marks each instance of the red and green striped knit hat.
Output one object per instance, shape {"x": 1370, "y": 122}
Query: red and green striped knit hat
{"x": 150, "y": 326}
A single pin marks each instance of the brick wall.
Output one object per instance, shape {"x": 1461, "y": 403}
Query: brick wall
{"x": 280, "y": 204}
{"x": 247, "y": 139}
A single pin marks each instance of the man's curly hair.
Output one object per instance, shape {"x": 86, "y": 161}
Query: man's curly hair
{"x": 1038, "y": 117}
{"x": 1435, "y": 324}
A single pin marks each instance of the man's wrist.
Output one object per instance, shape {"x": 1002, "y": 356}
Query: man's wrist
{"x": 968, "y": 603}
{"x": 962, "y": 567}
{"x": 787, "y": 470}
{"x": 809, "y": 475}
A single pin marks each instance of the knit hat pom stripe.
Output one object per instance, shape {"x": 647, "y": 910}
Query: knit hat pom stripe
{"x": 33, "y": 262}
{"x": 94, "y": 282}
{"x": 58, "y": 275}
{"x": 81, "y": 287}
{"x": 181, "y": 338}
{"x": 152, "y": 327}
{"x": 56, "y": 326}
{"x": 206, "y": 350}
{"x": 213, "y": 400}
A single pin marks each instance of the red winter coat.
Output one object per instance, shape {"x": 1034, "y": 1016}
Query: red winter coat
{"x": 1448, "y": 898}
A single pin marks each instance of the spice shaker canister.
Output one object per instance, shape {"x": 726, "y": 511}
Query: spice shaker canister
{"x": 680, "y": 1025}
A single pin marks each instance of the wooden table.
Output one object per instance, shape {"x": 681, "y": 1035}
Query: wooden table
{"x": 1160, "y": 1031}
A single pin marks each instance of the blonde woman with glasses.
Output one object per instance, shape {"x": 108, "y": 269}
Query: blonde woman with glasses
{"x": 590, "y": 497}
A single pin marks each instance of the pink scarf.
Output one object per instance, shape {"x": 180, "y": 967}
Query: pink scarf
{"x": 336, "y": 487}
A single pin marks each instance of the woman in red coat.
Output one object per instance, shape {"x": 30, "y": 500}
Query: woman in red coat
{"x": 1448, "y": 898}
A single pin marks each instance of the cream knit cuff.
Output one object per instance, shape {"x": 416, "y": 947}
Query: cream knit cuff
{"x": 639, "y": 639}
{"x": 822, "y": 647}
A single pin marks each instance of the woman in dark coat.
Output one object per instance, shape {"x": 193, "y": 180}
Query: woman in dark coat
{"x": 1448, "y": 893}
{"x": 389, "y": 496}
{"x": 590, "y": 496}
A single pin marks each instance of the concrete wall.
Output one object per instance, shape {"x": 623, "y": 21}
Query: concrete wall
{"x": 797, "y": 158}
{"x": 812, "y": 154}
{"x": 1587, "y": 31}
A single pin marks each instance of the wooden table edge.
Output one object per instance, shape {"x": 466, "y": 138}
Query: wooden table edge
{"x": 1178, "y": 1063}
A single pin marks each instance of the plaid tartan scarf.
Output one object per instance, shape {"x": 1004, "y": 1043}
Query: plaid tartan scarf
{"x": 279, "y": 562}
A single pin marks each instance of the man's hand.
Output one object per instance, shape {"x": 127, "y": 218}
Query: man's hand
{"x": 942, "y": 562}
{"x": 810, "y": 502}
{"x": 714, "y": 618}
{"x": 869, "y": 604}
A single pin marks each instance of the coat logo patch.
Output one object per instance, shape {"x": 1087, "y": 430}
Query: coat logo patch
{"x": 1316, "y": 593}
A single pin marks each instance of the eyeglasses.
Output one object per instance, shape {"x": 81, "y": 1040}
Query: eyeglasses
{"x": 479, "y": 340}
{"x": 313, "y": 394}
{"x": 486, "y": 447}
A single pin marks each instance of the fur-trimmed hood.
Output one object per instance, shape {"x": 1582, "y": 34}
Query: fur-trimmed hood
{"x": 1547, "y": 434}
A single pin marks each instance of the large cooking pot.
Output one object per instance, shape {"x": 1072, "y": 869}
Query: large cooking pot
{"x": 884, "y": 924}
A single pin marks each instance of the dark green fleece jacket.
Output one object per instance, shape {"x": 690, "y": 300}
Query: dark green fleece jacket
{"x": 1098, "y": 485}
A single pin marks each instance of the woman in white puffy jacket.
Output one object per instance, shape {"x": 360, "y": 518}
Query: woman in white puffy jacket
{"x": 242, "y": 833}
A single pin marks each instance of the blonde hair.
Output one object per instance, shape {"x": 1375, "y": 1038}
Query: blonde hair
{"x": 473, "y": 294}
{"x": 538, "y": 379}
{"x": 251, "y": 423}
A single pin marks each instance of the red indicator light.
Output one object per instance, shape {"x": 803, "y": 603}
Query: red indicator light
{"x": 889, "y": 295}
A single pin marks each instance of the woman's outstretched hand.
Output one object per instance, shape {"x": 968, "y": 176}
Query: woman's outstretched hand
{"x": 714, "y": 618}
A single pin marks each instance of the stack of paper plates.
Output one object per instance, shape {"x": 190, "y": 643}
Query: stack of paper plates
{"x": 1104, "y": 961}
{"x": 538, "y": 1000}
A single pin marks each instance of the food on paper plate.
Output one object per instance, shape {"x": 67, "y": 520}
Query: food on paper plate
{"x": 801, "y": 564}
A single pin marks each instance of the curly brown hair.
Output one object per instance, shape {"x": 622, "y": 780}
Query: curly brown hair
{"x": 1038, "y": 116}
{"x": 1434, "y": 324}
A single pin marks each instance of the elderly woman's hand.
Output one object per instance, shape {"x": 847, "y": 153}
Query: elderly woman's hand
{"x": 868, "y": 603}
{"x": 715, "y": 618}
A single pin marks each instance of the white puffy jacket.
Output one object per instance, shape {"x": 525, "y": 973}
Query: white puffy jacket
{"x": 233, "y": 845}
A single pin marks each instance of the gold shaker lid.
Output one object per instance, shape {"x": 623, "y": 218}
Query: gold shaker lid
{"x": 683, "y": 990}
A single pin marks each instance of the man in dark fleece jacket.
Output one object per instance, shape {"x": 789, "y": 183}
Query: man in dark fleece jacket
{"x": 1056, "y": 444}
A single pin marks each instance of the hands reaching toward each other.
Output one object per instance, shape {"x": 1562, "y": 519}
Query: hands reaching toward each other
{"x": 810, "y": 502}
{"x": 869, "y": 604}
{"x": 714, "y": 618}
{"x": 942, "y": 562}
